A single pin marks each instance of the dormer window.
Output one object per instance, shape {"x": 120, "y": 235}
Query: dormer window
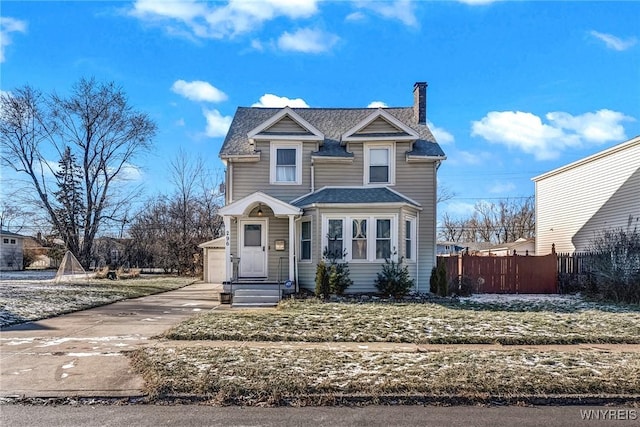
{"x": 286, "y": 163}
{"x": 379, "y": 161}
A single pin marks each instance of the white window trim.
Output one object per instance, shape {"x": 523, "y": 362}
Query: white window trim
{"x": 347, "y": 232}
{"x": 310, "y": 221}
{"x": 392, "y": 162}
{"x": 274, "y": 146}
{"x": 414, "y": 234}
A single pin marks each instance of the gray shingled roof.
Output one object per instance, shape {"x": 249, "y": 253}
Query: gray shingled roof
{"x": 353, "y": 195}
{"x": 332, "y": 122}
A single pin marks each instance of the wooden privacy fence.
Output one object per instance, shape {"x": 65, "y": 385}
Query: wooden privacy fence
{"x": 512, "y": 274}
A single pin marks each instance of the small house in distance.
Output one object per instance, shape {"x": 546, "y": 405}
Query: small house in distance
{"x": 577, "y": 201}
{"x": 11, "y": 247}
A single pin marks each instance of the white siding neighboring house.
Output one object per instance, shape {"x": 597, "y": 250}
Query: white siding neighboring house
{"x": 577, "y": 201}
{"x": 11, "y": 255}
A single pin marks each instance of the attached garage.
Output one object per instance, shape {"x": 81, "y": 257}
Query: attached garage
{"x": 213, "y": 256}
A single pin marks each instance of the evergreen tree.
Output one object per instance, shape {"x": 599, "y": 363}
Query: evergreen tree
{"x": 70, "y": 197}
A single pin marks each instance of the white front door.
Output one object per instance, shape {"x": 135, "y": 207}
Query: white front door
{"x": 253, "y": 248}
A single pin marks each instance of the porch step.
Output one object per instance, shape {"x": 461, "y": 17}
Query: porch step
{"x": 256, "y": 297}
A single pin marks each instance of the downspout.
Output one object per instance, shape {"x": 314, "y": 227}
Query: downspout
{"x": 229, "y": 183}
{"x": 417, "y": 251}
{"x": 313, "y": 177}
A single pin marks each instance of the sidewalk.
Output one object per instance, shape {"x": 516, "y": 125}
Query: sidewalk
{"x": 80, "y": 354}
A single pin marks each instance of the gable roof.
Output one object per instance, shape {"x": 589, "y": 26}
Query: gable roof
{"x": 379, "y": 124}
{"x": 331, "y": 123}
{"x": 294, "y": 126}
{"x": 353, "y": 195}
{"x": 11, "y": 234}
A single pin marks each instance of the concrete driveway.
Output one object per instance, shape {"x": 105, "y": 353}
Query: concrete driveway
{"x": 81, "y": 354}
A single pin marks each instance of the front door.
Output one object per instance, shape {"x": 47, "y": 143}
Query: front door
{"x": 253, "y": 250}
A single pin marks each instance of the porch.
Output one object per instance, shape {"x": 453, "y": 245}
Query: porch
{"x": 259, "y": 243}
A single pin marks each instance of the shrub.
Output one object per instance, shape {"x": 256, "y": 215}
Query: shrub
{"x": 615, "y": 266}
{"x": 322, "y": 280}
{"x": 441, "y": 279}
{"x": 433, "y": 281}
{"x": 394, "y": 279}
{"x": 461, "y": 286}
{"x": 332, "y": 278}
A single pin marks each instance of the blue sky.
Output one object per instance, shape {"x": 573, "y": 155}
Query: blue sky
{"x": 515, "y": 88}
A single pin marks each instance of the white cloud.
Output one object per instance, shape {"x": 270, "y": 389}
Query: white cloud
{"x": 527, "y": 132}
{"x": 355, "y": 16}
{"x": 307, "y": 40}
{"x": 613, "y": 42}
{"x": 467, "y": 157}
{"x": 7, "y": 26}
{"x": 273, "y": 101}
{"x": 442, "y": 135}
{"x": 459, "y": 209}
{"x": 130, "y": 172}
{"x": 213, "y": 20}
{"x": 217, "y": 124}
{"x": 502, "y": 187}
{"x": 198, "y": 90}
{"x": 377, "y": 104}
{"x": 402, "y": 10}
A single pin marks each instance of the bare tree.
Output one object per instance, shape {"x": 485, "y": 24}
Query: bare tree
{"x": 501, "y": 222}
{"x": 99, "y": 127}
{"x": 169, "y": 229}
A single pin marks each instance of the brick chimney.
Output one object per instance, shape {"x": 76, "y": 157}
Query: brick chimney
{"x": 420, "y": 102}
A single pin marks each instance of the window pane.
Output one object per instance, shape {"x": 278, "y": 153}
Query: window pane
{"x": 359, "y": 229}
{"x": 383, "y": 238}
{"x": 306, "y": 230}
{"x": 286, "y": 157}
{"x": 408, "y": 240}
{"x": 306, "y": 250}
{"x": 335, "y": 249}
{"x": 379, "y": 157}
{"x": 378, "y": 174}
{"x": 359, "y": 239}
{"x": 305, "y": 237}
{"x": 335, "y": 229}
{"x": 384, "y": 229}
{"x": 286, "y": 173}
{"x": 383, "y": 249}
{"x": 252, "y": 235}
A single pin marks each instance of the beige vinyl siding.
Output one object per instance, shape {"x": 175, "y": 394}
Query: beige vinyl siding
{"x": 341, "y": 174}
{"x": 575, "y": 203}
{"x": 286, "y": 125}
{"x": 249, "y": 177}
{"x": 379, "y": 125}
{"x": 418, "y": 181}
{"x": 278, "y": 261}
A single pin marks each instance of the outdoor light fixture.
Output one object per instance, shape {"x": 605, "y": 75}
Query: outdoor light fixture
{"x": 259, "y": 210}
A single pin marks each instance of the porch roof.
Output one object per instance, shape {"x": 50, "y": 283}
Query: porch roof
{"x": 244, "y": 205}
{"x": 351, "y": 195}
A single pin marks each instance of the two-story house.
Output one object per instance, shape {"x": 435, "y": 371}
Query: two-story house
{"x": 358, "y": 181}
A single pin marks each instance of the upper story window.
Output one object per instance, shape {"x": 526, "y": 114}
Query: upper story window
{"x": 286, "y": 163}
{"x": 379, "y": 164}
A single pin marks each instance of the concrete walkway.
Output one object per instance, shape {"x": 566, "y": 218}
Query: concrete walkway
{"x": 80, "y": 354}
